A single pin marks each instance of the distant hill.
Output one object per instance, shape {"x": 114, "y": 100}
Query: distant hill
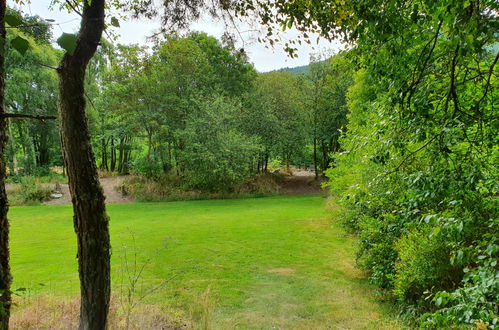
{"x": 299, "y": 70}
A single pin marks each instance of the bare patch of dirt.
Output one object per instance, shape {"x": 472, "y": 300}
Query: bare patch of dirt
{"x": 111, "y": 191}
{"x": 282, "y": 271}
{"x": 301, "y": 183}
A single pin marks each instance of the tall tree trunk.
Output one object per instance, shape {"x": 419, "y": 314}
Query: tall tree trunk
{"x": 325, "y": 157}
{"x": 103, "y": 164}
{"x": 315, "y": 159}
{"x": 113, "y": 155}
{"x": 13, "y": 149}
{"x": 5, "y": 277}
{"x": 121, "y": 155}
{"x": 90, "y": 219}
{"x": 43, "y": 149}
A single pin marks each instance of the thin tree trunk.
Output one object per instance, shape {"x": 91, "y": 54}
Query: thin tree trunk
{"x": 90, "y": 219}
{"x": 5, "y": 276}
{"x": 113, "y": 155}
{"x": 43, "y": 149}
{"x": 325, "y": 157}
{"x": 13, "y": 149}
{"x": 315, "y": 159}
{"x": 121, "y": 155}
{"x": 103, "y": 164}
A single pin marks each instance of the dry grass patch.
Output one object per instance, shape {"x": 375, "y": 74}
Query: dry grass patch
{"x": 50, "y": 312}
{"x": 282, "y": 271}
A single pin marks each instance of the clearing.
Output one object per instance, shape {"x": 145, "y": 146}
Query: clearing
{"x": 257, "y": 263}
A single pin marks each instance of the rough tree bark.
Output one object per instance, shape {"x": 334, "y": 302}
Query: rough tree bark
{"x": 5, "y": 276}
{"x": 90, "y": 219}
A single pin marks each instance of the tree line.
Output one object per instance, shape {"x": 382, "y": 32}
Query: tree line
{"x": 192, "y": 106}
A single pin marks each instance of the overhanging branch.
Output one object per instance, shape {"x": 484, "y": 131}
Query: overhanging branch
{"x": 26, "y": 116}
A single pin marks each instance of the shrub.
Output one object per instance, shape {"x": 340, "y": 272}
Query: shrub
{"x": 424, "y": 263}
{"x": 30, "y": 191}
{"x": 474, "y": 302}
{"x": 216, "y": 157}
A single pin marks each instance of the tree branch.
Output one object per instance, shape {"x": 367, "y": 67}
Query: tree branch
{"x": 26, "y": 116}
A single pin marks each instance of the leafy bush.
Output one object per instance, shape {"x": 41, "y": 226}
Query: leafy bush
{"x": 147, "y": 168}
{"x": 40, "y": 174}
{"x": 423, "y": 264}
{"x": 474, "y": 303}
{"x": 216, "y": 157}
{"x": 30, "y": 191}
{"x": 419, "y": 184}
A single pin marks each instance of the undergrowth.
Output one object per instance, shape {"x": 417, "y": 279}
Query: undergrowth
{"x": 30, "y": 191}
{"x": 172, "y": 188}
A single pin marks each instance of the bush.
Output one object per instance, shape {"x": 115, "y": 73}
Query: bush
{"x": 424, "y": 263}
{"x": 474, "y": 302}
{"x": 216, "y": 157}
{"x": 30, "y": 191}
{"x": 41, "y": 174}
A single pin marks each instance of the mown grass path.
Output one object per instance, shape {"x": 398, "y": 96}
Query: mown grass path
{"x": 257, "y": 263}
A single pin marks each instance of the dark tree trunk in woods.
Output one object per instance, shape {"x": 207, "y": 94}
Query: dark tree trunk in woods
{"x": 5, "y": 277}
{"x": 121, "y": 155}
{"x": 90, "y": 219}
{"x": 325, "y": 157}
{"x": 113, "y": 155}
{"x": 315, "y": 159}
{"x": 103, "y": 164}
{"x": 43, "y": 150}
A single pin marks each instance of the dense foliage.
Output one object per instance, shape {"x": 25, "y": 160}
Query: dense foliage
{"x": 417, "y": 173}
{"x": 33, "y": 144}
{"x": 192, "y": 109}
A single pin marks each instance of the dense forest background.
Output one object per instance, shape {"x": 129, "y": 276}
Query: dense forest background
{"x": 190, "y": 107}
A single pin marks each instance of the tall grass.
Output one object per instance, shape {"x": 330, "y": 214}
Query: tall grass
{"x": 172, "y": 188}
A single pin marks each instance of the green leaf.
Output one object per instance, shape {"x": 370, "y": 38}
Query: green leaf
{"x": 13, "y": 20}
{"x": 115, "y": 22}
{"x": 67, "y": 41}
{"x": 20, "y": 44}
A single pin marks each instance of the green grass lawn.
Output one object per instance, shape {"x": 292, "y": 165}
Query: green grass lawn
{"x": 259, "y": 263}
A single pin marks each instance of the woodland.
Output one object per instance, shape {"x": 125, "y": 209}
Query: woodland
{"x": 400, "y": 128}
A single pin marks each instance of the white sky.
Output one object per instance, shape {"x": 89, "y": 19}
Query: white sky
{"x": 137, "y": 32}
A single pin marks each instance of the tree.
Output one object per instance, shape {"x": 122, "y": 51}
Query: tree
{"x": 5, "y": 276}
{"x": 329, "y": 81}
{"x": 90, "y": 218}
{"x": 217, "y": 157}
{"x": 286, "y": 103}
{"x": 32, "y": 90}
